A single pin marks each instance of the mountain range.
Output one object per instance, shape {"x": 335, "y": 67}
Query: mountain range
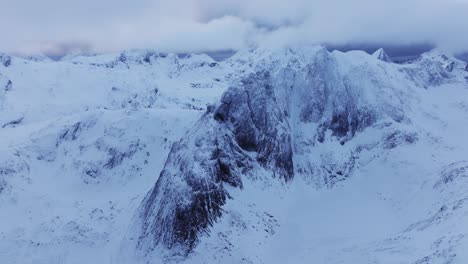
{"x": 285, "y": 155}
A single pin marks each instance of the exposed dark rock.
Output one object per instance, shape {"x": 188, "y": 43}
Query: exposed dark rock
{"x": 257, "y": 122}
{"x": 398, "y": 138}
{"x": 210, "y": 108}
{"x": 115, "y": 159}
{"x": 123, "y": 99}
{"x": 450, "y": 66}
{"x": 11, "y": 167}
{"x": 116, "y": 156}
{"x": 344, "y": 125}
{"x": 123, "y": 57}
{"x": 73, "y": 132}
{"x": 452, "y": 172}
{"x": 148, "y": 57}
{"x": 13, "y": 123}
{"x": 5, "y": 60}
{"x": 9, "y": 85}
{"x": 446, "y": 211}
{"x": 93, "y": 172}
{"x": 70, "y": 134}
{"x": 46, "y": 155}
{"x": 196, "y": 85}
{"x": 3, "y": 184}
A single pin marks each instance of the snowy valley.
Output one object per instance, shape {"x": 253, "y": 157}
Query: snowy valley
{"x": 291, "y": 155}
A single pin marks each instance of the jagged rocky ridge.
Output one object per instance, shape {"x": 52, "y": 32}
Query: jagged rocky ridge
{"x": 290, "y": 97}
{"x": 382, "y": 55}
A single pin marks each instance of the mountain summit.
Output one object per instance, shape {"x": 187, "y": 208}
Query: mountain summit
{"x": 382, "y": 55}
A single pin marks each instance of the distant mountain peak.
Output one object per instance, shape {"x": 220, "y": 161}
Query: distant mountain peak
{"x": 446, "y": 59}
{"x": 382, "y": 55}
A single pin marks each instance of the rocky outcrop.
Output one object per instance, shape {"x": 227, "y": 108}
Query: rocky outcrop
{"x": 258, "y": 123}
{"x": 13, "y": 123}
{"x": 5, "y": 60}
{"x": 453, "y": 172}
{"x": 247, "y": 131}
{"x": 5, "y": 83}
{"x": 380, "y": 54}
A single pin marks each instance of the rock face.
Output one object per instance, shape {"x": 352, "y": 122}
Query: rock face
{"x": 5, "y": 60}
{"x": 6, "y": 85}
{"x": 216, "y": 153}
{"x": 252, "y": 130}
{"x": 258, "y": 123}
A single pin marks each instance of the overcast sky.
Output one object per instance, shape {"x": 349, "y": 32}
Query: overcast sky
{"x": 58, "y": 26}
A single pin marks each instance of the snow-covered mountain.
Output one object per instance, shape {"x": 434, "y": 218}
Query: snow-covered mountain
{"x": 382, "y": 55}
{"x": 292, "y": 155}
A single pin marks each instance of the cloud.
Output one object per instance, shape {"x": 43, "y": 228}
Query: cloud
{"x": 200, "y": 25}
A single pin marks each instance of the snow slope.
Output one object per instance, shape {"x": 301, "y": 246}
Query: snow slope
{"x": 308, "y": 156}
{"x": 82, "y": 142}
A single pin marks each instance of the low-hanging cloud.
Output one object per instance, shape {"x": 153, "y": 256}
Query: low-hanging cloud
{"x": 207, "y": 25}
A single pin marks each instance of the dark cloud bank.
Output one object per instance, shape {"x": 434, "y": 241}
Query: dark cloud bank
{"x": 402, "y": 27}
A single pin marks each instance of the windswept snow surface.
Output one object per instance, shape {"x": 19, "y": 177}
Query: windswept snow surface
{"x": 83, "y": 142}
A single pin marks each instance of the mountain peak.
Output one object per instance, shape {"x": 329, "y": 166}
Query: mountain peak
{"x": 382, "y": 55}
{"x": 446, "y": 59}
